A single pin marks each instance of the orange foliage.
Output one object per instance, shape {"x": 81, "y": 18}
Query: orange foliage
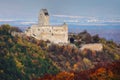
{"x": 102, "y": 74}
{"x": 65, "y": 76}
{"x": 59, "y": 76}
{"x": 106, "y": 72}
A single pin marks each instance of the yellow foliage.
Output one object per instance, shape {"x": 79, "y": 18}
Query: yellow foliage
{"x": 87, "y": 61}
{"x": 18, "y": 64}
{"x": 1, "y": 71}
{"x": 117, "y": 57}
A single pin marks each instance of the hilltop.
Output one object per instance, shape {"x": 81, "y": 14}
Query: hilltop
{"x": 25, "y": 58}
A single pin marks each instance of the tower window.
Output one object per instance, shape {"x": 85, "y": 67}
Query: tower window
{"x": 46, "y": 14}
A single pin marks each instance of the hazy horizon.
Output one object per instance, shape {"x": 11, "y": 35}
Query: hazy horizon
{"x": 78, "y": 12}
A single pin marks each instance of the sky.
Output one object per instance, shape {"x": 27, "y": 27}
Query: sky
{"x": 80, "y": 12}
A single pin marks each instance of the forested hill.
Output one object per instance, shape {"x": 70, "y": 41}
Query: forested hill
{"x": 21, "y": 59}
{"x": 25, "y": 58}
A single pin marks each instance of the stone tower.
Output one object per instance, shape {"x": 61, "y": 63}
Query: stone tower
{"x": 43, "y": 18}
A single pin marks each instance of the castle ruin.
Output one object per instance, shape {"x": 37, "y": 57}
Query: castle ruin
{"x": 44, "y": 31}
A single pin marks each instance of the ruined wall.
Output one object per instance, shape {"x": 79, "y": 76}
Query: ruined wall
{"x": 93, "y": 47}
{"x": 56, "y": 34}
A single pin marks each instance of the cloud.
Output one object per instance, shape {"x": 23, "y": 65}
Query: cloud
{"x": 70, "y": 16}
{"x": 28, "y": 22}
{"x": 86, "y": 19}
{"x": 71, "y": 21}
{"x": 112, "y": 21}
{"x": 93, "y": 24}
{"x": 93, "y": 20}
{"x": 6, "y": 20}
